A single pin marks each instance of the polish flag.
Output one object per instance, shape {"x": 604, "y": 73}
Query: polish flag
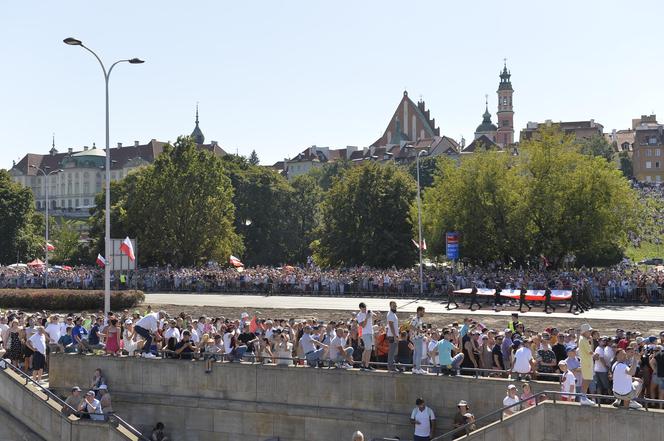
{"x": 424, "y": 244}
{"x": 49, "y": 246}
{"x": 101, "y": 261}
{"x": 127, "y": 248}
{"x": 235, "y": 262}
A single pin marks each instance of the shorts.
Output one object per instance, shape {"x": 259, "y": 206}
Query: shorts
{"x": 636, "y": 390}
{"x": 368, "y": 341}
{"x": 38, "y": 361}
{"x": 587, "y": 373}
{"x": 659, "y": 381}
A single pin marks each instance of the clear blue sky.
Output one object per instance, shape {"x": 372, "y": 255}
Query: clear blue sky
{"x": 280, "y": 76}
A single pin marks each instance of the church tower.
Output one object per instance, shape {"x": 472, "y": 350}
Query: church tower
{"x": 505, "y": 133}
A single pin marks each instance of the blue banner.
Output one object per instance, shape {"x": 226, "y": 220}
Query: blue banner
{"x": 452, "y": 245}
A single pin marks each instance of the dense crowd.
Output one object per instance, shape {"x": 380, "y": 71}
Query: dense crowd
{"x": 367, "y": 340}
{"x": 621, "y": 283}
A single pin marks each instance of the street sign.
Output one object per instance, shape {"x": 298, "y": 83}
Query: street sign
{"x": 452, "y": 245}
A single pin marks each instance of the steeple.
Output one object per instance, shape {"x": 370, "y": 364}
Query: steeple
{"x": 197, "y": 134}
{"x": 487, "y": 127}
{"x": 505, "y": 75}
{"x": 53, "y": 150}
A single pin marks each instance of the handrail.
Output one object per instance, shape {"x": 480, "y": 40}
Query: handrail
{"x": 544, "y": 394}
{"x": 109, "y": 418}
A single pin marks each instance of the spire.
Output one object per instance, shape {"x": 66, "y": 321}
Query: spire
{"x": 197, "y": 134}
{"x": 505, "y": 77}
{"x": 53, "y": 150}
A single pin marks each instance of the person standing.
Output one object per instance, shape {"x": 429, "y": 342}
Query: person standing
{"x": 574, "y": 301}
{"x": 473, "y": 298}
{"x": 522, "y": 298}
{"x": 424, "y": 420}
{"x": 451, "y": 296}
{"x": 416, "y": 329}
{"x": 392, "y": 335}
{"x": 602, "y": 367}
{"x": 365, "y": 321}
{"x": 37, "y": 344}
{"x": 497, "y": 301}
{"x": 587, "y": 357}
{"x": 547, "y": 301}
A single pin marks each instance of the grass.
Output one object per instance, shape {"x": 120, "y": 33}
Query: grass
{"x": 647, "y": 250}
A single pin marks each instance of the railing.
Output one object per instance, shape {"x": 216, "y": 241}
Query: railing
{"x": 108, "y": 418}
{"x": 539, "y": 398}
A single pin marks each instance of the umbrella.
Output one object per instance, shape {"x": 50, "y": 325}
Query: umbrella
{"x": 36, "y": 262}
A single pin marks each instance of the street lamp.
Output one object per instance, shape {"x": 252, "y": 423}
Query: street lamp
{"x": 419, "y": 218}
{"x": 46, "y": 174}
{"x": 107, "y": 236}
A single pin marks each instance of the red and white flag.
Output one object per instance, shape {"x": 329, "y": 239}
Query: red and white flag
{"x": 49, "y": 246}
{"x": 101, "y": 261}
{"x": 235, "y": 262}
{"x": 128, "y": 249}
{"x": 424, "y": 244}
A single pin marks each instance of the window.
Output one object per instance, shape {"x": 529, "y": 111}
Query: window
{"x": 658, "y": 178}
{"x": 652, "y": 140}
{"x": 648, "y": 152}
{"x": 506, "y": 123}
{"x": 657, "y": 164}
{"x": 625, "y": 145}
{"x": 658, "y": 152}
{"x": 648, "y": 164}
{"x": 86, "y": 202}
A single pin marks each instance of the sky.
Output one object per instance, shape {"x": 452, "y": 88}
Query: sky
{"x": 278, "y": 77}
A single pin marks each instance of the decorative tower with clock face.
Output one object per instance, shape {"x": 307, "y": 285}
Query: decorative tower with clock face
{"x": 505, "y": 133}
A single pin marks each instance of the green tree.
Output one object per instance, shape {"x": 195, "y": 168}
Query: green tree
{"x": 180, "y": 208}
{"x": 262, "y": 197}
{"x": 428, "y": 167}
{"x": 304, "y": 216}
{"x": 329, "y": 173}
{"x": 66, "y": 241}
{"x": 253, "y": 158}
{"x": 20, "y": 226}
{"x": 626, "y": 165}
{"x": 365, "y": 219}
{"x": 597, "y": 146}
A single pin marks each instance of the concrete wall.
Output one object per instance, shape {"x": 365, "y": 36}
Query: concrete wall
{"x": 43, "y": 418}
{"x": 256, "y": 401}
{"x": 571, "y": 422}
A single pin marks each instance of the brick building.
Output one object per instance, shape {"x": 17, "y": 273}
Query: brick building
{"x": 648, "y": 146}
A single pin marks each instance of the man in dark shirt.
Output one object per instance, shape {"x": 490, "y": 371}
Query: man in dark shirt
{"x": 547, "y": 300}
{"x": 248, "y": 339}
{"x": 498, "y": 354}
{"x": 185, "y": 347}
{"x": 559, "y": 349}
{"x": 93, "y": 338}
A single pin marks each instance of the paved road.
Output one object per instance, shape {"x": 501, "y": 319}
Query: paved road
{"x": 632, "y": 313}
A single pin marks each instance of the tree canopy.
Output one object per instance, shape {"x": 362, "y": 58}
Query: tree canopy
{"x": 550, "y": 201}
{"x": 365, "y": 219}
{"x": 21, "y": 227}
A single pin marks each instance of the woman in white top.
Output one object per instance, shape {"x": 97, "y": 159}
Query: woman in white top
{"x": 128, "y": 341}
{"x": 511, "y": 399}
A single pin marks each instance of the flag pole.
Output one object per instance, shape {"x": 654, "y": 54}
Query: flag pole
{"x": 419, "y": 219}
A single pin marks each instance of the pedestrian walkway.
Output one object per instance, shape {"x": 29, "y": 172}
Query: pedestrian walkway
{"x": 612, "y": 312}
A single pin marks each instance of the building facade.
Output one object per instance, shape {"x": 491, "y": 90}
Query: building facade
{"x": 72, "y": 190}
{"x": 505, "y": 115}
{"x": 580, "y": 130}
{"x": 648, "y": 149}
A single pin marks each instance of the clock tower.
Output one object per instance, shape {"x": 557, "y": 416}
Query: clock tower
{"x": 505, "y": 132}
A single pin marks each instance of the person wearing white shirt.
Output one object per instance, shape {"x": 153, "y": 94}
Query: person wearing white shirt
{"x": 416, "y": 329}
{"x": 37, "y": 342}
{"x": 392, "y": 335}
{"x": 512, "y": 399}
{"x": 601, "y": 368}
{"x": 339, "y": 353}
{"x": 424, "y": 420}
{"x": 522, "y": 361}
{"x": 567, "y": 382}
{"x": 54, "y": 331}
{"x": 146, "y": 327}
{"x": 365, "y": 320}
{"x": 625, "y": 386}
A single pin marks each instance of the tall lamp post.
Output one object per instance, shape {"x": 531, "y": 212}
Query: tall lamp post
{"x": 419, "y": 219}
{"x": 46, "y": 174}
{"x": 107, "y": 235}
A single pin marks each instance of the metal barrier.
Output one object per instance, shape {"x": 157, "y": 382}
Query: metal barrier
{"x": 112, "y": 419}
{"x": 539, "y": 398}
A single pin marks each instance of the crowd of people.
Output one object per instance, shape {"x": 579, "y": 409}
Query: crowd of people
{"x": 620, "y": 283}
{"x": 580, "y": 359}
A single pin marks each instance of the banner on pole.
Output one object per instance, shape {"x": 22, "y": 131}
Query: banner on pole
{"x": 452, "y": 245}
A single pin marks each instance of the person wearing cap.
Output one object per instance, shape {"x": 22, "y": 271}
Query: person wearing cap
{"x": 547, "y": 300}
{"x": 506, "y": 349}
{"x": 128, "y": 343}
{"x": 91, "y": 407}
{"x": 358, "y": 436}
{"x": 587, "y": 357}
{"x": 311, "y": 347}
{"x": 417, "y": 337}
{"x": 626, "y": 387}
{"x": 567, "y": 382}
{"x": 473, "y": 297}
{"x": 574, "y": 300}
{"x": 424, "y": 420}
{"x": 512, "y": 400}
{"x": 73, "y": 402}
{"x": 105, "y": 399}
{"x": 514, "y": 323}
{"x": 461, "y": 418}
{"x": 185, "y": 348}
{"x": 657, "y": 365}
{"x": 522, "y": 298}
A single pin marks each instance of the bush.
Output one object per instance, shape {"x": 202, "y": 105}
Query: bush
{"x": 66, "y": 299}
